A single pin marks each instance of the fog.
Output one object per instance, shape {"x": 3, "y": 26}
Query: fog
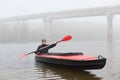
{"x": 82, "y": 29}
{"x": 10, "y": 8}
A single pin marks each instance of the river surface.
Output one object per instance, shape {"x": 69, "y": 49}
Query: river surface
{"x": 13, "y": 68}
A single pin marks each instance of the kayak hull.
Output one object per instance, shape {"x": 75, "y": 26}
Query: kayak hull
{"x": 67, "y": 59}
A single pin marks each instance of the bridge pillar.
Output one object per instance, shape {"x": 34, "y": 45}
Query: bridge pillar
{"x": 17, "y": 26}
{"x": 110, "y": 27}
{"x": 21, "y": 30}
{"x": 47, "y": 29}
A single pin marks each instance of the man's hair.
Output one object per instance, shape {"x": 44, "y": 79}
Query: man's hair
{"x": 44, "y": 40}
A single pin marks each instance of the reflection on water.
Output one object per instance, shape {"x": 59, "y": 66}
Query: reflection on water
{"x": 12, "y": 68}
{"x": 65, "y": 73}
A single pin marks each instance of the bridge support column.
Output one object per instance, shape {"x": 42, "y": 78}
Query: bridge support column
{"x": 110, "y": 27}
{"x": 21, "y": 29}
{"x": 47, "y": 29}
{"x": 17, "y": 26}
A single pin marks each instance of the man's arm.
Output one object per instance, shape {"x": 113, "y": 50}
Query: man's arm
{"x": 37, "y": 49}
{"x": 52, "y": 45}
{"x": 46, "y": 47}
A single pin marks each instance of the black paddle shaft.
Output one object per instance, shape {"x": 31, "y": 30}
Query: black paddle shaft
{"x": 49, "y": 45}
{"x": 44, "y": 47}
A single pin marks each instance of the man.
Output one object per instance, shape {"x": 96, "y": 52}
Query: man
{"x": 44, "y": 47}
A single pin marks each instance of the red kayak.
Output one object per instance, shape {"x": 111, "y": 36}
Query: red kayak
{"x": 72, "y": 60}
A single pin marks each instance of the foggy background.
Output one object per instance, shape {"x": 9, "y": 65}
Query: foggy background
{"x": 81, "y": 28}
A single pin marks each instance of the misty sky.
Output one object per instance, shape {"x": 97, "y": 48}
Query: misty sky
{"x": 10, "y": 8}
{"x": 21, "y": 7}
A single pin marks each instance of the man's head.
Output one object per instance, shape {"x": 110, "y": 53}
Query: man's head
{"x": 44, "y": 41}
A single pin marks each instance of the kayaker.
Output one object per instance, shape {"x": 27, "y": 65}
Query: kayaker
{"x": 45, "y": 46}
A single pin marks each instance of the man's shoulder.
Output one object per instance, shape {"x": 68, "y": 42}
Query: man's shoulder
{"x": 43, "y": 45}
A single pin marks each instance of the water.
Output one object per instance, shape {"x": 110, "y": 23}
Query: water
{"x": 12, "y": 68}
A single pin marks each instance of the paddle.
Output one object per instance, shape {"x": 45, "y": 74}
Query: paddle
{"x": 66, "y": 38}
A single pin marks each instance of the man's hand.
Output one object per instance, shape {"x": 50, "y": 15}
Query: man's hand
{"x": 55, "y": 43}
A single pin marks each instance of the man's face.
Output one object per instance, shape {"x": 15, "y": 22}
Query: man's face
{"x": 43, "y": 42}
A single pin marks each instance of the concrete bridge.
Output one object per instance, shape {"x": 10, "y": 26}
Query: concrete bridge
{"x": 109, "y": 12}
